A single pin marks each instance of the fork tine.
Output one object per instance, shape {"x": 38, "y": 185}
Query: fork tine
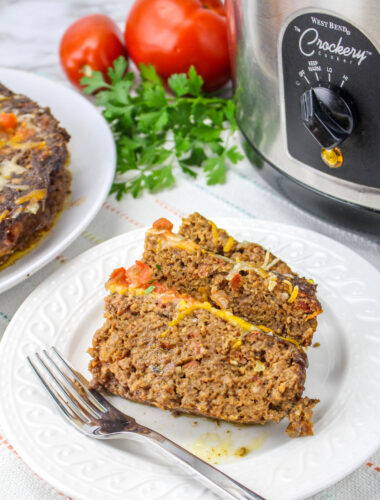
{"x": 97, "y": 400}
{"x": 66, "y": 410}
{"x": 88, "y": 405}
{"x": 74, "y": 407}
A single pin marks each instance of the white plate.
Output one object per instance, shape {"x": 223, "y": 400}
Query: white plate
{"x": 93, "y": 158}
{"x": 344, "y": 373}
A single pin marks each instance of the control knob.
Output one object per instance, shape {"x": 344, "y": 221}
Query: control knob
{"x": 327, "y": 114}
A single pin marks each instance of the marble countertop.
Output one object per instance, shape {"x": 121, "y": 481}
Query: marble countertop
{"x": 30, "y": 30}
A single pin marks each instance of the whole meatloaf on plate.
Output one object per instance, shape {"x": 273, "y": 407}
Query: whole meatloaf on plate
{"x": 34, "y": 178}
{"x": 169, "y": 350}
{"x": 286, "y": 304}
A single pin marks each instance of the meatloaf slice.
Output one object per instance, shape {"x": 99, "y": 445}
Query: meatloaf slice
{"x": 287, "y": 305}
{"x": 34, "y": 178}
{"x": 217, "y": 240}
{"x": 168, "y": 350}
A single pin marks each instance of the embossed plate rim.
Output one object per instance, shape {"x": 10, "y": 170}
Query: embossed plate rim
{"x": 348, "y": 455}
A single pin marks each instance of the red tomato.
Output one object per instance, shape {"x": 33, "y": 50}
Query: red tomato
{"x": 92, "y": 43}
{"x": 8, "y": 121}
{"x": 174, "y": 34}
{"x": 139, "y": 275}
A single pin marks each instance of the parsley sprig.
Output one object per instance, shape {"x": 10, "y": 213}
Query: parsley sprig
{"x": 157, "y": 133}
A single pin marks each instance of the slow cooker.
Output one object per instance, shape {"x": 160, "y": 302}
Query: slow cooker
{"x": 307, "y": 90}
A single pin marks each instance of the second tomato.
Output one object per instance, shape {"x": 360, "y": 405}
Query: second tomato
{"x": 175, "y": 34}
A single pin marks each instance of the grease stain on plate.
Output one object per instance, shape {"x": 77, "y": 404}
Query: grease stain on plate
{"x": 219, "y": 448}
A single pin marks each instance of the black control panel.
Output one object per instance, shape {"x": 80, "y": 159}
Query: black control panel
{"x": 331, "y": 77}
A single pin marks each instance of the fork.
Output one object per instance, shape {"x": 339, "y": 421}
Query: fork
{"x": 91, "y": 414}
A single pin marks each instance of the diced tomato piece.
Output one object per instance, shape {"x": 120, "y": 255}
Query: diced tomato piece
{"x": 140, "y": 274}
{"x": 8, "y": 121}
{"x": 236, "y": 282}
{"x": 163, "y": 224}
{"x": 119, "y": 275}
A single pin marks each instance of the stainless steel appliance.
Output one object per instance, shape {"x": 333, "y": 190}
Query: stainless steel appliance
{"x": 307, "y": 89}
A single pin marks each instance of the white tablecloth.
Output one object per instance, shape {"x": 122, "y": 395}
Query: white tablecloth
{"x": 30, "y": 31}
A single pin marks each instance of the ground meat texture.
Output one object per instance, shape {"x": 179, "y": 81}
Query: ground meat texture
{"x": 217, "y": 240}
{"x": 201, "y": 365}
{"x": 34, "y": 179}
{"x": 289, "y": 308}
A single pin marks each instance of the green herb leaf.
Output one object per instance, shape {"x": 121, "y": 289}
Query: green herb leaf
{"x": 197, "y": 157}
{"x": 162, "y": 155}
{"x": 117, "y": 71}
{"x": 195, "y": 82}
{"x": 136, "y": 185}
{"x": 205, "y": 132}
{"x": 147, "y": 155}
{"x": 119, "y": 189}
{"x": 187, "y": 170}
{"x": 160, "y": 178}
{"x": 233, "y": 155}
{"x": 216, "y": 147}
{"x": 144, "y": 120}
{"x": 178, "y": 84}
{"x": 181, "y": 116}
{"x": 154, "y": 96}
{"x": 93, "y": 83}
{"x": 229, "y": 113}
{"x": 149, "y": 73}
{"x": 158, "y": 267}
{"x": 216, "y": 116}
{"x": 182, "y": 144}
{"x": 153, "y": 121}
{"x": 126, "y": 160}
{"x": 149, "y": 289}
{"x": 215, "y": 169}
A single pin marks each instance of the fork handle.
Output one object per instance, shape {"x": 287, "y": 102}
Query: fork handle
{"x": 220, "y": 483}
